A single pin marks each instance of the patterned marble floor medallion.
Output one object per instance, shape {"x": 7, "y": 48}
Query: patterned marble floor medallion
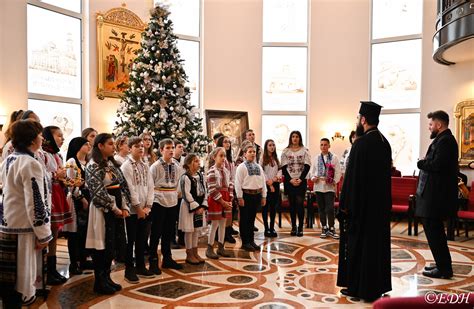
{"x": 289, "y": 272}
{"x": 172, "y": 290}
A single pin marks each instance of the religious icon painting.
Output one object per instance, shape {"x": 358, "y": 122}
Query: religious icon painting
{"x": 464, "y": 119}
{"x": 119, "y": 33}
{"x": 232, "y": 124}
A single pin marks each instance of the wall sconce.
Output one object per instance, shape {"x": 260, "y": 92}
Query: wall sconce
{"x": 3, "y": 119}
{"x": 338, "y": 135}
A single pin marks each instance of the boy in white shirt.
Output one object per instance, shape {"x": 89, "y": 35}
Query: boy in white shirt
{"x": 141, "y": 186}
{"x": 326, "y": 173}
{"x": 251, "y": 190}
{"x": 165, "y": 173}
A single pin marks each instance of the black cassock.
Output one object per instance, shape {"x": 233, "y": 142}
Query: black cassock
{"x": 364, "y": 215}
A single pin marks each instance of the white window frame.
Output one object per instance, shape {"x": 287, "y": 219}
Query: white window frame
{"x": 308, "y": 66}
{"x": 197, "y": 39}
{"x": 401, "y": 38}
{"x": 80, "y": 16}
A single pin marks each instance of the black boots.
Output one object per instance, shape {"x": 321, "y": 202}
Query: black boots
{"x": 228, "y": 235}
{"x": 154, "y": 268}
{"x": 100, "y": 284}
{"x": 52, "y": 275}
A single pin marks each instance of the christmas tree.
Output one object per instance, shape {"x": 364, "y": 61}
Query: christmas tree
{"x": 157, "y": 100}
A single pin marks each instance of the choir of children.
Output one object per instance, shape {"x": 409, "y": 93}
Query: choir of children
{"x": 111, "y": 206}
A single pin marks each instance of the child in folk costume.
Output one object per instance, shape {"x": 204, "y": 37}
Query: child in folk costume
{"x": 193, "y": 204}
{"x": 76, "y": 157}
{"x": 149, "y": 156}
{"x": 326, "y": 173}
{"x": 24, "y": 216}
{"x": 295, "y": 165}
{"x": 61, "y": 213}
{"x": 220, "y": 190}
{"x": 165, "y": 173}
{"x": 122, "y": 150}
{"x": 271, "y": 168}
{"x": 229, "y": 164}
{"x": 251, "y": 190}
{"x": 141, "y": 186}
{"x": 110, "y": 199}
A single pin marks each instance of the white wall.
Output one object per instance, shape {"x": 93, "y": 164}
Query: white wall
{"x": 13, "y": 61}
{"x": 232, "y": 57}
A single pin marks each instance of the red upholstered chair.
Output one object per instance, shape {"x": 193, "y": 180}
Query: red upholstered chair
{"x": 403, "y": 199}
{"x": 338, "y": 191}
{"x": 467, "y": 215}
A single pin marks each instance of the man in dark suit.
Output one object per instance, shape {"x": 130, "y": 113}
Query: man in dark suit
{"x": 250, "y": 136}
{"x": 437, "y": 192}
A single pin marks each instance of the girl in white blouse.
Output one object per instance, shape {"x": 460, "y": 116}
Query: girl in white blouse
{"x": 272, "y": 172}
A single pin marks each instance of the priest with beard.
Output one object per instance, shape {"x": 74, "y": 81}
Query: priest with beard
{"x": 365, "y": 204}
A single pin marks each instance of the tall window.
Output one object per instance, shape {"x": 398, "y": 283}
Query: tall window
{"x": 186, "y": 18}
{"x": 284, "y": 70}
{"x": 396, "y": 58}
{"x": 55, "y": 91}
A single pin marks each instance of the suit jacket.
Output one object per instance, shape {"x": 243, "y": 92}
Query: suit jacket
{"x": 437, "y": 191}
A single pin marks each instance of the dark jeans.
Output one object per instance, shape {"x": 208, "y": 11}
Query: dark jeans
{"x": 326, "y": 208}
{"x": 434, "y": 230}
{"x": 270, "y": 206}
{"x": 296, "y": 198}
{"x": 247, "y": 216}
{"x": 162, "y": 221}
{"x": 136, "y": 235}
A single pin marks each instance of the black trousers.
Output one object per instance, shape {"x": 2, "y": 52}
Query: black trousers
{"x": 326, "y": 208}
{"x": 437, "y": 240}
{"x": 270, "y": 206}
{"x": 114, "y": 237}
{"x": 76, "y": 241}
{"x": 136, "y": 235}
{"x": 175, "y": 225}
{"x": 247, "y": 216}
{"x": 103, "y": 258}
{"x": 296, "y": 198}
{"x": 162, "y": 221}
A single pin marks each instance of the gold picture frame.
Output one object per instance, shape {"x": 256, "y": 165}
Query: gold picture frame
{"x": 232, "y": 124}
{"x": 464, "y": 120}
{"x": 119, "y": 33}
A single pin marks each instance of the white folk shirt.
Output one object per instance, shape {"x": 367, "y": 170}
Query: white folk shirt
{"x": 271, "y": 171}
{"x": 321, "y": 185}
{"x": 166, "y": 178}
{"x": 250, "y": 182}
{"x": 25, "y": 209}
{"x": 140, "y": 183}
{"x": 295, "y": 161}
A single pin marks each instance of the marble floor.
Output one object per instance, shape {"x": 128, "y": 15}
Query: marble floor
{"x": 289, "y": 272}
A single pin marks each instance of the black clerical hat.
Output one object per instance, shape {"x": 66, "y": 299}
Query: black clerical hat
{"x": 370, "y": 109}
